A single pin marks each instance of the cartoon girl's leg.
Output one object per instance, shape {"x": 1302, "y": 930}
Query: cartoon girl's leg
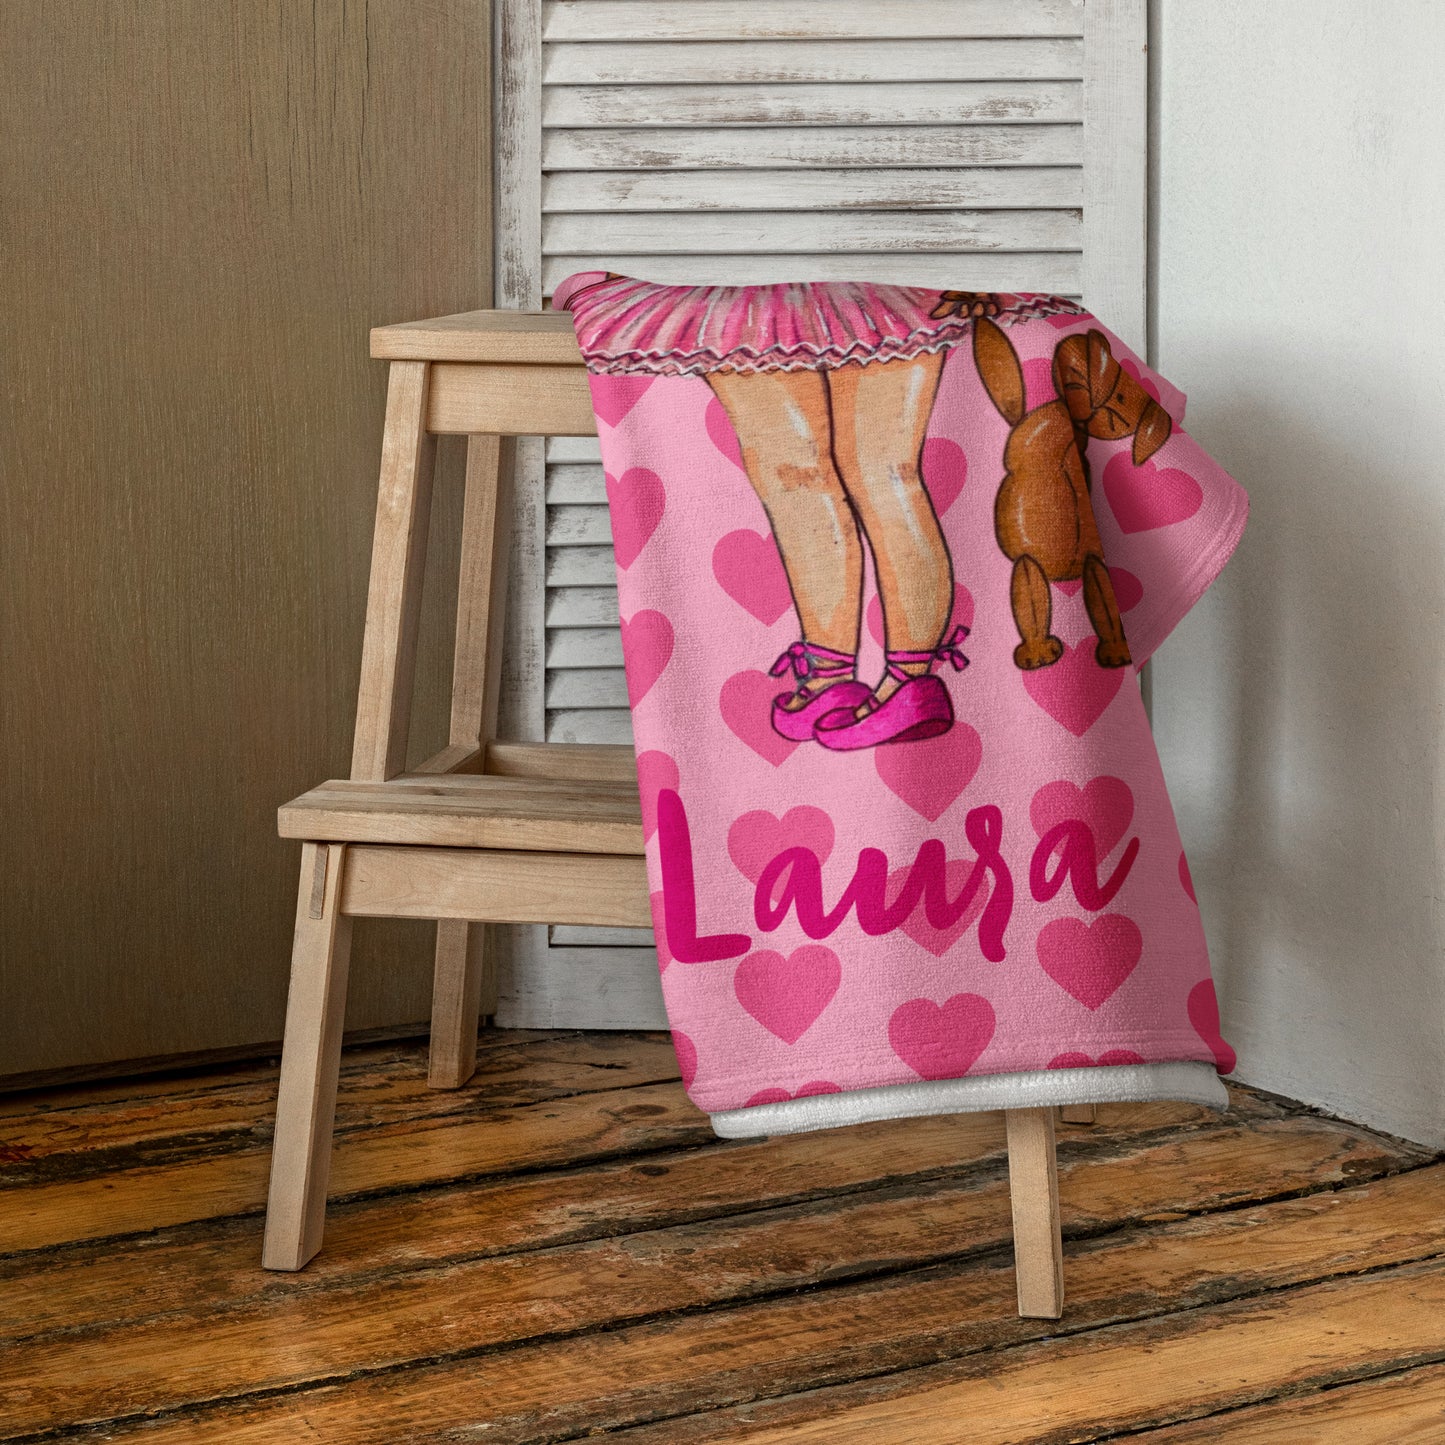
{"x": 1103, "y": 609}
{"x": 783, "y": 426}
{"x": 880, "y": 414}
{"x": 1033, "y": 609}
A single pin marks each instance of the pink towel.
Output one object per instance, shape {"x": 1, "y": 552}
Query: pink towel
{"x": 887, "y": 562}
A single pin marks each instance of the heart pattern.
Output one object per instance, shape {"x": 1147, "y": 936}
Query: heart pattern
{"x": 659, "y": 933}
{"x": 636, "y": 501}
{"x": 803, "y": 1091}
{"x": 748, "y": 568}
{"x": 1128, "y": 590}
{"x": 931, "y": 776}
{"x": 746, "y": 703}
{"x": 939, "y": 940}
{"x": 787, "y": 995}
{"x": 756, "y": 838}
{"x": 647, "y": 649}
{"x": 1075, "y": 690}
{"x": 1186, "y": 878}
{"x": 942, "y": 1041}
{"x": 1090, "y": 960}
{"x": 686, "y": 1052}
{"x": 1203, "y": 1008}
{"x": 962, "y": 614}
{"x": 1105, "y": 804}
{"x": 720, "y": 432}
{"x": 655, "y": 770}
{"x": 944, "y": 465}
{"x": 614, "y": 396}
{"x": 1109, "y": 1059}
{"x": 1149, "y": 496}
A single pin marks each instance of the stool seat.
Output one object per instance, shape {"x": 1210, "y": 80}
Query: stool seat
{"x": 467, "y": 810}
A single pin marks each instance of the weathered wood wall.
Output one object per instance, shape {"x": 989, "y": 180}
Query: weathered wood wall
{"x": 206, "y": 205}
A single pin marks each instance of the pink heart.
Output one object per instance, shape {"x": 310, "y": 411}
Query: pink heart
{"x": 686, "y": 1052}
{"x": 1127, "y": 588}
{"x": 655, "y": 770}
{"x": 720, "y": 432}
{"x": 1064, "y": 320}
{"x": 1075, "y": 690}
{"x": 941, "y": 1041}
{"x": 930, "y": 775}
{"x": 758, "y": 837}
{"x": 659, "y": 936}
{"x": 1090, "y": 960}
{"x": 614, "y": 396}
{"x": 748, "y": 568}
{"x": 786, "y": 995}
{"x": 1083, "y": 1061}
{"x": 1139, "y": 376}
{"x": 1039, "y": 382}
{"x": 746, "y": 703}
{"x": 646, "y": 648}
{"x": 1105, "y": 804}
{"x": 1149, "y": 496}
{"x": 803, "y": 1091}
{"x": 1187, "y": 878}
{"x": 939, "y": 940}
{"x": 962, "y": 613}
{"x": 636, "y": 500}
{"x": 1204, "y": 1015}
{"x": 945, "y": 469}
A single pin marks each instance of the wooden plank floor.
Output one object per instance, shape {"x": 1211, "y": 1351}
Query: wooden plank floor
{"x": 562, "y": 1251}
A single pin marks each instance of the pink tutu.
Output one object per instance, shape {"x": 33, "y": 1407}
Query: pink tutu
{"x": 629, "y": 326}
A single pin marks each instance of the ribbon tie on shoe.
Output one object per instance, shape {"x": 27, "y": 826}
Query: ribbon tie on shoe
{"x": 949, "y": 650}
{"x": 808, "y": 660}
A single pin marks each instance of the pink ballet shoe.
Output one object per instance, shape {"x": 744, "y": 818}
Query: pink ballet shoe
{"x": 808, "y": 660}
{"x": 918, "y": 709}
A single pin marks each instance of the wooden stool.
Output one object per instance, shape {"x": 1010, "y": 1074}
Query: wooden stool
{"x": 486, "y": 831}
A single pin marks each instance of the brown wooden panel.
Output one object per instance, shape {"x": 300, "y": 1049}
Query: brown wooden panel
{"x": 509, "y": 336}
{"x": 510, "y": 400}
{"x": 609, "y": 891}
{"x": 472, "y": 811}
{"x": 207, "y": 205}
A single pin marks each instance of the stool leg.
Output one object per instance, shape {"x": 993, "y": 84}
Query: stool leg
{"x": 463, "y": 988}
{"x": 1034, "y": 1190}
{"x": 1077, "y": 1114}
{"x": 310, "y": 1063}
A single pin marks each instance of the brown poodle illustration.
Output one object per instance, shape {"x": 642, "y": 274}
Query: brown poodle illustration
{"x": 1043, "y": 516}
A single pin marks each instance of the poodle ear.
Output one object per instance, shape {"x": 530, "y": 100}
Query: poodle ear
{"x": 999, "y": 369}
{"x": 1085, "y": 373}
{"x": 1152, "y": 432}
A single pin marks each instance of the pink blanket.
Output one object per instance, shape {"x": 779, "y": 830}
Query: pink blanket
{"x": 887, "y": 560}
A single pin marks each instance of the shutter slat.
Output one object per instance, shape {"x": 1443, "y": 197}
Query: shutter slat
{"x": 589, "y": 725}
{"x": 579, "y": 936}
{"x": 815, "y": 19}
{"x": 582, "y": 606}
{"x": 574, "y": 449}
{"x": 1056, "y": 272}
{"x": 812, "y": 232}
{"x": 574, "y": 192}
{"x": 587, "y": 687}
{"x": 804, "y": 62}
{"x": 672, "y": 106}
{"x": 822, "y": 146}
{"x": 578, "y": 526}
{"x": 584, "y": 647}
{"x": 580, "y": 567}
{"x": 576, "y": 483}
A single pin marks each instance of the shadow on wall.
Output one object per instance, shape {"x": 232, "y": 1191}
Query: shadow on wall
{"x": 1298, "y": 714}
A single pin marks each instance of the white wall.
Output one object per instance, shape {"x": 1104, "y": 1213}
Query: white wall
{"x": 1299, "y": 217}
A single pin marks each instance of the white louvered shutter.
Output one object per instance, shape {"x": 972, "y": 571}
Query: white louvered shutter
{"x": 927, "y": 142}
